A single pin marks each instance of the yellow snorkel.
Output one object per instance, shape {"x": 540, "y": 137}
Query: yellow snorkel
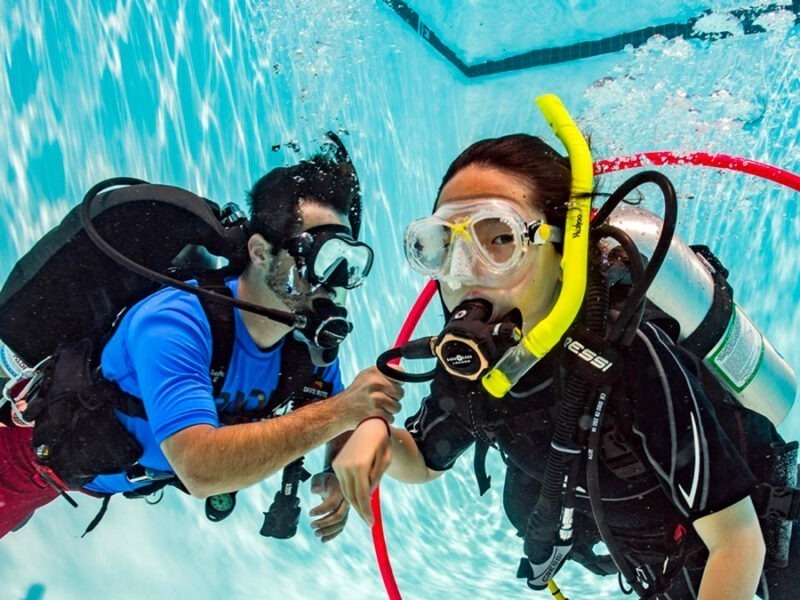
{"x": 541, "y": 339}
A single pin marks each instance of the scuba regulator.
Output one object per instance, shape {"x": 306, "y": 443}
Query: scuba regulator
{"x": 467, "y": 348}
{"x": 324, "y": 328}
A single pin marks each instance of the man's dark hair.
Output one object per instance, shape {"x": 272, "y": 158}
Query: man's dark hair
{"x": 274, "y": 199}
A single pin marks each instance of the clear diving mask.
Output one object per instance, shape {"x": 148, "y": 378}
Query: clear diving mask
{"x": 480, "y": 243}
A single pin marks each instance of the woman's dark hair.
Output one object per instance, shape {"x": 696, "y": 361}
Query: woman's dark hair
{"x": 275, "y": 198}
{"x": 529, "y": 158}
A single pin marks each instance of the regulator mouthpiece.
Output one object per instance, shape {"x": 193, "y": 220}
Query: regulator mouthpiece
{"x": 469, "y": 346}
{"x": 325, "y": 329}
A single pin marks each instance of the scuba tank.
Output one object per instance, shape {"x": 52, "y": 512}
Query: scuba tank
{"x": 713, "y": 326}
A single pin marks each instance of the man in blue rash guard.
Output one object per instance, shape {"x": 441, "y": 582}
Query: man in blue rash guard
{"x": 162, "y": 349}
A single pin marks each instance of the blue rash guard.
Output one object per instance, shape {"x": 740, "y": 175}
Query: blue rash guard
{"x": 161, "y": 353}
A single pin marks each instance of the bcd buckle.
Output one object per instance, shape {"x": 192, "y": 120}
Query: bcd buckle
{"x": 777, "y": 502}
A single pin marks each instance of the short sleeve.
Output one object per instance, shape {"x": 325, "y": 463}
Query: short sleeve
{"x": 440, "y": 436}
{"x": 169, "y": 345}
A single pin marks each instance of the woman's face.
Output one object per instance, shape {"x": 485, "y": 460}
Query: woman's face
{"x": 532, "y": 287}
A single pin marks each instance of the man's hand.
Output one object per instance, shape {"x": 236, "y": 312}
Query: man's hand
{"x": 361, "y": 463}
{"x": 334, "y": 507}
{"x": 371, "y": 394}
{"x": 213, "y": 460}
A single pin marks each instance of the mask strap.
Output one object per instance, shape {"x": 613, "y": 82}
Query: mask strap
{"x": 540, "y": 233}
{"x": 342, "y": 156}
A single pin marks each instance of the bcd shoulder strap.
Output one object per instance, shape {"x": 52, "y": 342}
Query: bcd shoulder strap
{"x": 223, "y": 330}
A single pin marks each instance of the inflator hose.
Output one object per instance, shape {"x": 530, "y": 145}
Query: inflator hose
{"x": 279, "y": 316}
{"x": 543, "y": 524}
{"x": 639, "y": 291}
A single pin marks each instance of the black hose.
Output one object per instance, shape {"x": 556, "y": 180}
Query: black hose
{"x": 544, "y": 521}
{"x": 639, "y": 290}
{"x": 618, "y": 195}
{"x": 621, "y": 336}
{"x": 542, "y": 529}
{"x": 624, "y": 334}
{"x": 595, "y": 497}
{"x": 420, "y": 348}
{"x": 290, "y": 319}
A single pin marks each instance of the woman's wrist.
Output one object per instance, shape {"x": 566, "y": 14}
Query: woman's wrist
{"x": 385, "y": 422}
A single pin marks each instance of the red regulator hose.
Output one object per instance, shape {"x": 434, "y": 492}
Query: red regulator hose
{"x": 378, "y": 539}
{"x": 601, "y": 167}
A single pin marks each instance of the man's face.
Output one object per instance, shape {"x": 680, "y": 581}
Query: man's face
{"x": 283, "y": 277}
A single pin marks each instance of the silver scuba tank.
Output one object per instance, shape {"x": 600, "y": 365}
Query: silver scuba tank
{"x": 690, "y": 288}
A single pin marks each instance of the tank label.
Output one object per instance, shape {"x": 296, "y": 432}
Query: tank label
{"x": 11, "y": 363}
{"x": 737, "y": 356}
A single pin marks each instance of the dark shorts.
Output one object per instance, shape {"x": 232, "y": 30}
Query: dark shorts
{"x": 22, "y": 490}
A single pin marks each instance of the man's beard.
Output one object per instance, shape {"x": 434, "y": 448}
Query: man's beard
{"x": 288, "y": 286}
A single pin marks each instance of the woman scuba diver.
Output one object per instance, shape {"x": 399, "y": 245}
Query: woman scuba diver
{"x": 676, "y": 466}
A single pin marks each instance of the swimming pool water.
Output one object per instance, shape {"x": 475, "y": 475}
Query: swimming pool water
{"x": 210, "y": 95}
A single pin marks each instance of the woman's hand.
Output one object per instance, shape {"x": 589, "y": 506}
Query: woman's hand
{"x": 333, "y": 509}
{"x": 361, "y": 463}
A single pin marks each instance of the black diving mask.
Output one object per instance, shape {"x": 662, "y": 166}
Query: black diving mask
{"x": 467, "y": 348}
{"x": 329, "y": 255}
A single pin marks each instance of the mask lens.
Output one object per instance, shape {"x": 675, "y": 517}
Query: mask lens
{"x": 497, "y": 239}
{"x": 426, "y": 245}
{"x": 342, "y": 263}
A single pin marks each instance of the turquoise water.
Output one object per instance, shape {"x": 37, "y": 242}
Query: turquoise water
{"x": 210, "y": 95}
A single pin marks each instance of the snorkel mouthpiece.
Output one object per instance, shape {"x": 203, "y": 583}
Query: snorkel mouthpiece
{"x": 541, "y": 339}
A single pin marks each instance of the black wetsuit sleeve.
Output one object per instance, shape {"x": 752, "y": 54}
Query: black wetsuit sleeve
{"x": 440, "y": 436}
{"x": 696, "y": 463}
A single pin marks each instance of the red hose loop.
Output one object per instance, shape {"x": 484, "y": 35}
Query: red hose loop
{"x": 378, "y": 539}
{"x": 699, "y": 159}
